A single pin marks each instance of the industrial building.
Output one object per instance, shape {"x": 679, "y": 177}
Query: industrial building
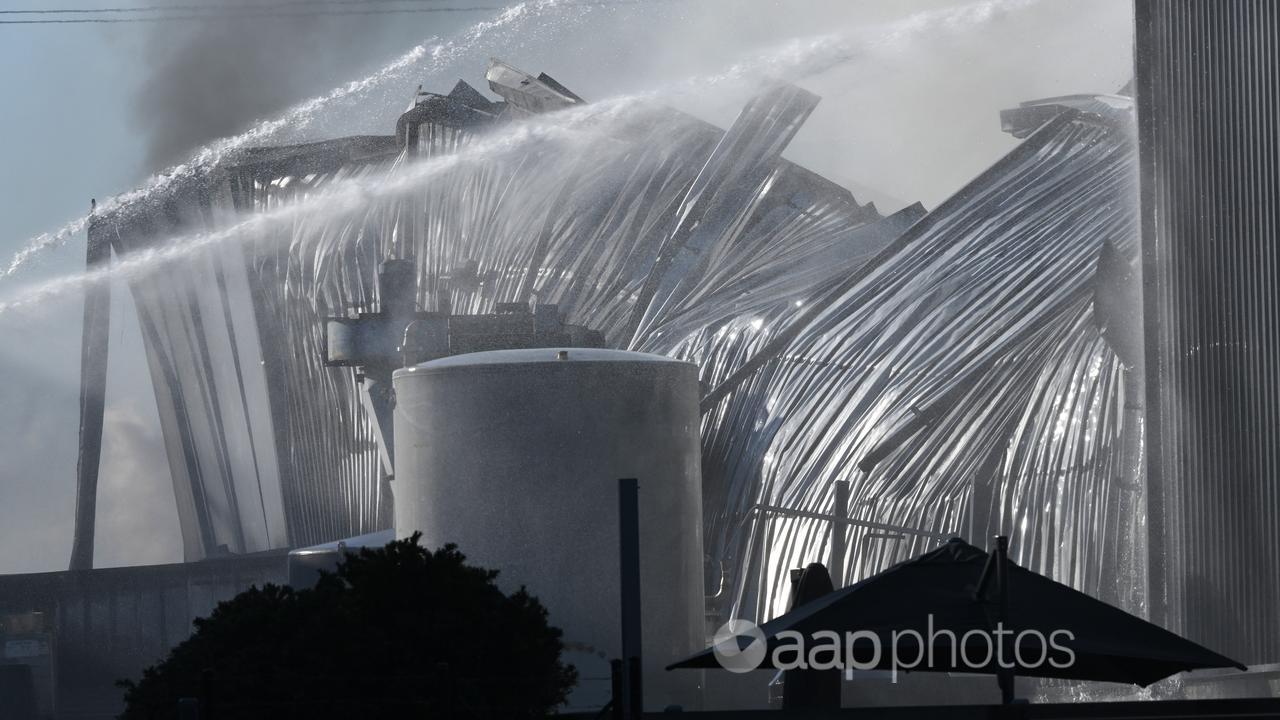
{"x": 1053, "y": 353}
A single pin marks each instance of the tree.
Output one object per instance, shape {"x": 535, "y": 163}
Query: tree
{"x": 398, "y": 631}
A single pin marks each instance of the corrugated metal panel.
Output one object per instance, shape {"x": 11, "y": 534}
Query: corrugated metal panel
{"x": 1208, "y": 82}
{"x": 971, "y": 339}
{"x": 978, "y": 319}
{"x": 235, "y": 335}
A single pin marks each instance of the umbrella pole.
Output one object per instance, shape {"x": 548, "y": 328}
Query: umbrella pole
{"x": 1004, "y": 676}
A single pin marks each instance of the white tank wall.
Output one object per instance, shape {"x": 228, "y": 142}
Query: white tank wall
{"x": 515, "y": 455}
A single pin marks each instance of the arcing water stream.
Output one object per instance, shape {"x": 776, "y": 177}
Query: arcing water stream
{"x": 567, "y": 131}
{"x": 420, "y": 61}
{"x": 797, "y": 58}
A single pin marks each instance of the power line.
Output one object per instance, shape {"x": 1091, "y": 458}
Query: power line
{"x": 216, "y": 15}
{"x": 218, "y": 7}
{"x": 269, "y": 10}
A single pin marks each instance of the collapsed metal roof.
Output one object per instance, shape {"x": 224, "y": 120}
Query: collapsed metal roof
{"x": 956, "y": 349}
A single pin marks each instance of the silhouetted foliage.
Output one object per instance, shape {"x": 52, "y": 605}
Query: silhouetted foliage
{"x": 400, "y": 631}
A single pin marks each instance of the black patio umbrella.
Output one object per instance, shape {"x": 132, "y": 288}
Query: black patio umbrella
{"x": 941, "y": 605}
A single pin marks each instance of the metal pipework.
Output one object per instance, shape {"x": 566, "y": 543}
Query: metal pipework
{"x": 846, "y": 521}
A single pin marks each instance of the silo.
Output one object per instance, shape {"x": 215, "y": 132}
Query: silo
{"x": 514, "y": 455}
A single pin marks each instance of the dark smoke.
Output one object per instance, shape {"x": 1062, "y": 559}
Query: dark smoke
{"x": 213, "y": 78}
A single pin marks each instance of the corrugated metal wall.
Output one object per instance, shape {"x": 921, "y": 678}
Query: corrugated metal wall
{"x": 1208, "y": 84}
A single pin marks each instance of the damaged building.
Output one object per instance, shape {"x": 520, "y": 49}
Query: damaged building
{"x": 869, "y": 384}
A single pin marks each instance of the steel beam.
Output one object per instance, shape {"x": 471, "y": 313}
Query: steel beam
{"x": 93, "y": 390}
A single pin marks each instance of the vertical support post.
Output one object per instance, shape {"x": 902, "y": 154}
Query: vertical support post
{"x": 629, "y": 582}
{"x": 1005, "y": 676}
{"x": 617, "y": 684}
{"x": 398, "y": 302}
{"x": 635, "y": 690}
{"x": 839, "y": 529}
{"x": 95, "y": 335}
{"x": 207, "y": 699}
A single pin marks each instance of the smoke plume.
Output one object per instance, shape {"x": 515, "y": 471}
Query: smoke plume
{"x": 211, "y": 79}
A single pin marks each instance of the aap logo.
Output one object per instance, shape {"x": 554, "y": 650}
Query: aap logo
{"x": 739, "y": 646}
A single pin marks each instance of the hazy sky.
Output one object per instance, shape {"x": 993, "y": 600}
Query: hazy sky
{"x": 909, "y": 112}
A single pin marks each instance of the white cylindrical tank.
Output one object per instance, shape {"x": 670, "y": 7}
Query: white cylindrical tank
{"x": 515, "y": 456}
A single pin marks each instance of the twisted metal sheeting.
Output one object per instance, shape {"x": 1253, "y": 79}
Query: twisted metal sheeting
{"x": 980, "y": 320}
{"x": 328, "y": 462}
{"x": 967, "y": 340}
{"x": 582, "y": 225}
{"x": 203, "y": 353}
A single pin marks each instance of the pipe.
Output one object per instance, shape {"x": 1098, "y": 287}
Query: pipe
{"x": 790, "y": 512}
{"x": 629, "y": 582}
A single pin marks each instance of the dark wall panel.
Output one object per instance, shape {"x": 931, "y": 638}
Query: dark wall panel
{"x": 1208, "y": 84}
